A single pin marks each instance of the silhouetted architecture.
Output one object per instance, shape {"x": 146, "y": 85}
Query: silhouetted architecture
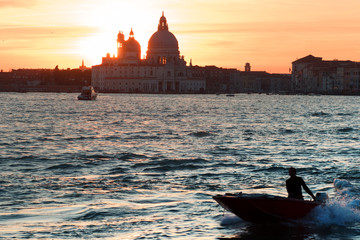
{"x": 230, "y": 80}
{"x": 247, "y": 67}
{"x": 83, "y": 67}
{"x": 217, "y": 79}
{"x": 5, "y": 80}
{"x": 44, "y": 80}
{"x": 314, "y": 75}
{"x": 163, "y": 70}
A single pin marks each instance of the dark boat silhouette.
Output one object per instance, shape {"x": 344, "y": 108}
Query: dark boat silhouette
{"x": 259, "y": 208}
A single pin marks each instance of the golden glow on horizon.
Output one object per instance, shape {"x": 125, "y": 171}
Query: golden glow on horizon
{"x": 269, "y": 34}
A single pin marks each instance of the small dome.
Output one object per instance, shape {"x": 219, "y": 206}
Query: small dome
{"x": 132, "y": 45}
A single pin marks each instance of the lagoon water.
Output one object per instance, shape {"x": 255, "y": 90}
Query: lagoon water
{"x": 146, "y": 166}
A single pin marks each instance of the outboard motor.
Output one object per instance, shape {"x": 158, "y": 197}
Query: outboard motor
{"x": 321, "y": 197}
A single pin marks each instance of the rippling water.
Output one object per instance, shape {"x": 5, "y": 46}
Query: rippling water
{"x": 146, "y": 166}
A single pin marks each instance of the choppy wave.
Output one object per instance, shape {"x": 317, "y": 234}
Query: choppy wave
{"x": 201, "y": 134}
{"x": 347, "y": 190}
{"x": 336, "y": 213}
{"x": 343, "y": 210}
{"x": 230, "y": 220}
{"x": 286, "y": 131}
{"x": 320, "y": 114}
{"x": 346, "y": 130}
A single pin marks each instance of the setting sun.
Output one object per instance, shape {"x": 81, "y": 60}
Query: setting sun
{"x": 268, "y": 34}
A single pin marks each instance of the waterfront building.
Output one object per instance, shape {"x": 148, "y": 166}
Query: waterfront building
{"x": 231, "y": 80}
{"x": 217, "y": 79}
{"x": 162, "y": 71}
{"x": 248, "y": 81}
{"x": 314, "y": 75}
{"x": 44, "y": 80}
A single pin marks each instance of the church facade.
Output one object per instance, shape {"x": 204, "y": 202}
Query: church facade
{"x": 162, "y": 71}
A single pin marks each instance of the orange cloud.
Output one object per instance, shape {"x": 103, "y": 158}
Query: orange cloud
{"x": 269, "y": 34}
{"x": 17, "y": 3}
{"x": 42, "y": 47}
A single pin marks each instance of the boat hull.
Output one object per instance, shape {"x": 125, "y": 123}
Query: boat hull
{"x": 92, "y": 97}
{"x": 266, "y": 208}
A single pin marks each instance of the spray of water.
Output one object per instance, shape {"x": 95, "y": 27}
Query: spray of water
{"x": 343, "y": 210}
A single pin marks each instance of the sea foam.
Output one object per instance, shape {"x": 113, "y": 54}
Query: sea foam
{"x": 229, "y": 220}
{"x": 343, "y": 209}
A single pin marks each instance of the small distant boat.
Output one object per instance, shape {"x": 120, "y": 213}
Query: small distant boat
{"x": 259, "y": 208}
{"x": 230, "y": 95}
{"x": 87, "y": 93}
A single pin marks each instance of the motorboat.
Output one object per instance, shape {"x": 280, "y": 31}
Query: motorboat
{"x": 259, "y": 208}
{"x": 87, "y": 93}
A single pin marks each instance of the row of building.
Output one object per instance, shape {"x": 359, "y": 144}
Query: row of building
{"x": 45, "y": 80}
{"x": 164, "y": 70}
{"x": 208, "y": 79}
{"x": 314, "y": 75}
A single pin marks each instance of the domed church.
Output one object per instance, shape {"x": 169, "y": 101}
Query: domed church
{"x": 163, "y": 45}
{"x": 130, "y": 49}
{"x": 162, "y": 71}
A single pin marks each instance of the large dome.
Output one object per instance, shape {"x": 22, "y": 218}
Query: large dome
{"x": 163, "y": 39}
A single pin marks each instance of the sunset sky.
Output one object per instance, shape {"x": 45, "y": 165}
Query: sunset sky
{"x": 269, "y": 34}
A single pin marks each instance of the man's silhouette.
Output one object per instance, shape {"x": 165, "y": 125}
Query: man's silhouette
{"x": 293, "y": 186}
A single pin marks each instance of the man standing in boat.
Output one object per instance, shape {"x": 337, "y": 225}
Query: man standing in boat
{"x": 294, "y": 184}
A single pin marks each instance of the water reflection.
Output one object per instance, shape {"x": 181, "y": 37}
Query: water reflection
{"x": 146, "y": 166}
{"x": 286, "y": 231}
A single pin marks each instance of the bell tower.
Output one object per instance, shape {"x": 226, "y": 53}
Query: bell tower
{"x": 120, "y": 45}
{"x": 131, "y": 35}
{"x": 247, "y": 67}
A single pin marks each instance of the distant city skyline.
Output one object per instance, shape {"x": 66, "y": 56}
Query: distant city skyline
{"x": 270, "y": 34}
